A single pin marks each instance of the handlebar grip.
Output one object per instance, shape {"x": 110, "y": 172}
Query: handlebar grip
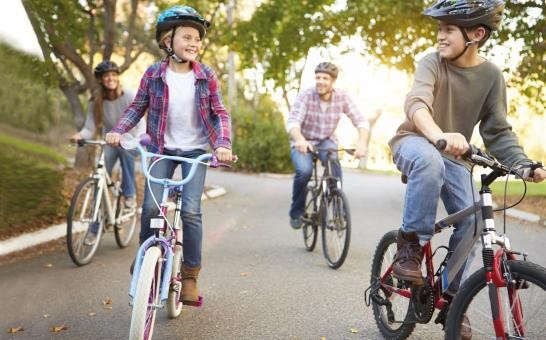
{"x": 440, "y": 144}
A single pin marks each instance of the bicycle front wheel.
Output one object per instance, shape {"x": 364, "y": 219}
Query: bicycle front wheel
{"x": 146, "y": 299}
{"x": 336, "y": 228}
{"x": 310, "y": 220}
{"x": 521, "y": 305}
{"x": 126, "y": 220}
{"x": 83, "y": 232}
{"x": 390, "y": 310}
{"x": 174, "y": 305}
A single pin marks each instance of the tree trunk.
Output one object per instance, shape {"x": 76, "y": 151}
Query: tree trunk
{"x": 363, "y": 163}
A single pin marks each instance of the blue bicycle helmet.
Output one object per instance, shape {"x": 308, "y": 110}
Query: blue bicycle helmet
{"x": 177, "y": 16}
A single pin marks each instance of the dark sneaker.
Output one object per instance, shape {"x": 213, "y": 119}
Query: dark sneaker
{"x": 296, "y": 223}
{"x": 407, "y": 261}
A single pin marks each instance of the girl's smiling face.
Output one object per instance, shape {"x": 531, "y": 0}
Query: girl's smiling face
{"x": 186, "y": 43}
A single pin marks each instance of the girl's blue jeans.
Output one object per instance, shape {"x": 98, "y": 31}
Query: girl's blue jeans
{"x": 432, "y": 177}
{"x": 191, "y": 203}
{"x": 303, "y": 164}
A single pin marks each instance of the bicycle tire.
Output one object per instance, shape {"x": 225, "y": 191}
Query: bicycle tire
{"x": 382, "y": 259}
{"x": 79, "y": 221}
{"x": 125, "y": 229}
{"x": 174, "y": 305}
{"x": 336, "y": 226}
{"x": 146, "y": 296}
{"x": 475, "y": 288}
{"x": 310, "y": 223}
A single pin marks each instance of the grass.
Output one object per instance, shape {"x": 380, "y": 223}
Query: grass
{"x": 32, "y": 183}
{"x": 515, "y": 188}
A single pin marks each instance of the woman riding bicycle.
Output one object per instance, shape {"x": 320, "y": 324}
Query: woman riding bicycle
{"x": 103, "y": 112}
{"x": 454, "y": 90}
{"x": 185, "y": 115}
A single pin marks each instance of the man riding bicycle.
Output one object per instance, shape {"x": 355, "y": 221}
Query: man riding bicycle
{"x": 311, "y": 124}
{"x": 454, "y": 90}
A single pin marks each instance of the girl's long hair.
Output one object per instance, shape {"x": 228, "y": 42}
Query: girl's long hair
{"x": 101, "y": 93}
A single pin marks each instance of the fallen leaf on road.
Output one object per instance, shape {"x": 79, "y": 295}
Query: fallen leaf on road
{"x": 244, "y": 274}
{"x": 57, "y": 329}
{"x": 107, "y": 307}
{"x": 354, "y": 330}
{"x": 92, "y": 314}
{"x": 107, "y": 301}
{"x": 48, "y": 265}
{"x": 14, "y": 330}
{"x": 46, "y": 316}
{"x": 323, "y": 338}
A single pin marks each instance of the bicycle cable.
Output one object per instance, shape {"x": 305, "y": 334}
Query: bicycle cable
{"x": 516, "y": 174}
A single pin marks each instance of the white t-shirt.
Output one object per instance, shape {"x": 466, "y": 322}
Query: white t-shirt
{"x": 184, "y": 130}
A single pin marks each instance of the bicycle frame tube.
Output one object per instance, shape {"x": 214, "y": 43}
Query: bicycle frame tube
{"x": 104, "y": 181}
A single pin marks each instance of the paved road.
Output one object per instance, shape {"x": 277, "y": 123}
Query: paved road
{"x": 258, "y": 281}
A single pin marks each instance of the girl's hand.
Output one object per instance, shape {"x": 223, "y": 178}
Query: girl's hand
{"x": 112, "y": 138}
{"x": 223, "y": 154}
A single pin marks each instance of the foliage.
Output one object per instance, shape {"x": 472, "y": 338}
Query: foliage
{"x": 31, "y": 186}
{"x": 20, "y": 80}
{"x": 259, "y": 138}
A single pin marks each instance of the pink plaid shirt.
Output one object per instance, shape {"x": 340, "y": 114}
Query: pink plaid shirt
{"x": 317, "y": 125}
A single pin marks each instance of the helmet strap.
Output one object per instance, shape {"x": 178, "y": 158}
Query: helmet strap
{"x": 467, "y": 42}
{"x": 170, "y": 50}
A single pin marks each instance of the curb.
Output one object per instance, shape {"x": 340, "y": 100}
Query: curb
{"x": 54, "y": 232}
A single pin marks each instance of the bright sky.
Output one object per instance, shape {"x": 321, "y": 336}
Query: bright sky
{"x": 15, "y": 27}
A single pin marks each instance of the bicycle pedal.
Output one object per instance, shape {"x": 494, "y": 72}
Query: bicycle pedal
{"x": 197, "y": 303}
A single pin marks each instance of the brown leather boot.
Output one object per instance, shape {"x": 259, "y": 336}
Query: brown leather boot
{"x": 190, "y": 294}
{"x": 407, "y": 261}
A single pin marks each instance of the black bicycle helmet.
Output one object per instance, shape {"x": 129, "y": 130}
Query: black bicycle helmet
{"x": 468, "y": 13}
{"x": 106, "y": 66}
{"x": 179, "y": 15}
{"x": 327, "y": 67}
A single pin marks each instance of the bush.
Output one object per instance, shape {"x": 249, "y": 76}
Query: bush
{"x": 259, "y": 139}
{"x": 32, "y": 183}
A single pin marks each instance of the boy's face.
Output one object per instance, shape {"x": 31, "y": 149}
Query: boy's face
{"x": 186, "y": 43}
{"x": 110, "y": 80}
{"x": 450, "y": 40}
{"x": 324, "y": 83}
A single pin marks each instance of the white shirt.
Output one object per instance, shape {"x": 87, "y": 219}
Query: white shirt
{"x": 184, "y": 130}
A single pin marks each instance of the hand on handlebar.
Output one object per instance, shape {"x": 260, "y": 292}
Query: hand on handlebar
{"x": 112, "y": 138}
{"x": 303, "y": 146}
{"x": 75, "y": 137}
{"x": 455, "y": 144}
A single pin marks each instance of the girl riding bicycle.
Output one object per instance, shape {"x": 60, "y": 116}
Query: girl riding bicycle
{"x": 185, "y": 115}
{"x": 103, "y": 112}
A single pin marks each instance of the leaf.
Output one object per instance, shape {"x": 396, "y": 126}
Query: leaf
{"x": 48, "y": 265}
{"x": 92, "y": 314}
{"x": 57, "y": 329}
{"x": 243, "y": 274}
{"x": 46, "y": 316}
{"x": 15, "y": 330}
{"x": 354, "y": 330}
{"x": 107, "y": 301}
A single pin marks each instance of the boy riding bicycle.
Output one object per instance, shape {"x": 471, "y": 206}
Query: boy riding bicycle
{"x": 454, "y": 90}
{"x": 186, "y": 115}
{"x": 311, "y": 123}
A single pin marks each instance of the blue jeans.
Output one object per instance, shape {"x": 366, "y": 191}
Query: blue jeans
{"x": 127, "y": 163}
{"x": 191, "y": 204}
{"x": 303, "y": 163}
{"x": 431, "y": 177}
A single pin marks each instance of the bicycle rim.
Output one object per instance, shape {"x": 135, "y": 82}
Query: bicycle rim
{"x": 126, "y": 220}
{"x": 336, "y": 228}
{"x": 146, "y": 300}
{"x": 174, "y": 306}
{"x": 80, "y": 222}
{"x": 391, "y": 318}
{"x": 522, "y": 305}
{"x": 310, "y": 224}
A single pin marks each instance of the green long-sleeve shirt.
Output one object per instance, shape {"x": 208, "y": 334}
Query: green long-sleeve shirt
{"x": 459, "y": 99}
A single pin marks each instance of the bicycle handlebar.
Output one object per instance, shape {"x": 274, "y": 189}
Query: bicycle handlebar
{"x": 82, "y": 142}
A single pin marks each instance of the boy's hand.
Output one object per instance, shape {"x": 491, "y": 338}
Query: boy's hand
{"x": 302, "y": 145}
{"x": 361, "y": 150}
{"x": 539, "y": 175}
{"x": 456, "y": 144}
{"x": 223, "y": 154}
{"x": 112, "y": 138}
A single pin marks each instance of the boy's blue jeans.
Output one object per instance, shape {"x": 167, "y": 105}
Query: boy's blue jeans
{"x": 431, "y": 177}
{"x": 303, "y": 164}
{"x": 191, "y": 204}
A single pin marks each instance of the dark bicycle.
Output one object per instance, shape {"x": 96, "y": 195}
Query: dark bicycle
{"x": 326, "y": 204}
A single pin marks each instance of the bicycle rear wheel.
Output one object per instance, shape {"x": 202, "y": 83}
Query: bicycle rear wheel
{"x": 522, "y": 305}
{"x": 80, "y": 223}
{"x": 146, "y": 299}
{"x": 310, "y": 220}
{"x": 391, "y": 311}
{"x": 336, "y": 228}
{"x": 126, "y": 220}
